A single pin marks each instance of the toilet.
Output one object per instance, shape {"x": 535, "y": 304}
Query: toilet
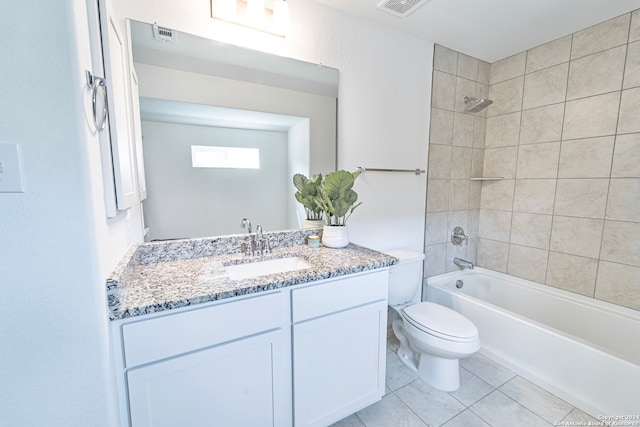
{"x": 432, "y": 337}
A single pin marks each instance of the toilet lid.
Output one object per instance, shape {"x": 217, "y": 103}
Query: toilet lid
{"x": 441, "y": 321}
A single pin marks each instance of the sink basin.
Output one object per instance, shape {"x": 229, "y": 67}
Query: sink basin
{"x": 262, "y": 268}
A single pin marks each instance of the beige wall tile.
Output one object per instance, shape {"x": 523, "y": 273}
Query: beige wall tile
{"x": 463, "y": 130}
{"x": 572, "y": 273}
{"x": 624, "y": 199}
{"x": 538, "y": 160}
{"x": 621, "y": 242}
{"x": 467, "y": 67}
{"x": 632, "y": 67}
{"x": 458, "y": 219}
{"x": 441, "y": 127}
{"x": 477, "y": 160}
{"x": 479, "y": 132}
{"x": 586, "y": 198}
{"x": 445, "y": 59}
{"x": 508, "y": 68}
{"x": 576, "y": 236}
{"x": 497, "y": 195}
{"x": 618, "y": 284}
{"x": 461, "y": 163}
{"x": 439, "y": 161}
{"x": 484, "y": 72}
{"x": 506, "y": 96}
{"x": 436, "y": 228}
{"x": 527, "y": 263}
{"x": 438, "y": 195}
{"x": 593, "y": 116}
{"x": 435, "y": 256}
{"x": 549, "y": 54}
{"x": 543, "y": 124}
{"x": 493, "y": 255}
{"x": 545, "y": 87}
{"x": 608, "y": 34}
{"x": 503, "y": 131}
{"x": 629, "y": 111}
{"x": 634, "y": 33}
{"x": 533, "y": 230}
{"x": 500, "y": 162}
{"x": 459, "y": 194}
{"x": 464, "y": 88}
{"x": 595, "y": 74}
{"x": 586, "y": 158}
{"x": 534, "y": 195}
{"x": 443, "y": 91}
{"x": 475, "y": 193}
{"x": 495, "y": 225}
{"x": 626, "y": 156}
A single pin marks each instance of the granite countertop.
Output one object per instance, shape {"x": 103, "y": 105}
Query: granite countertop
{"x": 143, "y": 284}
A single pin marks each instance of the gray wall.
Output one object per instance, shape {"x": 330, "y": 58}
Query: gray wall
{"x": 193, "y": 202}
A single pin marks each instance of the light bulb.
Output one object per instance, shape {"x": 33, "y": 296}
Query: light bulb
{"x": 256, "y": 15}
{"x": 226, "y": 9}
{"x": 280, "y": 17}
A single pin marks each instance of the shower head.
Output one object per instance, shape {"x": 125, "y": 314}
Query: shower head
{"x": 476, "y": 104}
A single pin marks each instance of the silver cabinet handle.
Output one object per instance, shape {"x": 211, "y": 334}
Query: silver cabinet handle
{"x": 94, "y": 82}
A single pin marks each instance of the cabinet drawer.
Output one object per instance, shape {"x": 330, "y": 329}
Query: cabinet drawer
{"x": 174, "y": 334}
{"x": 339, "y": 295}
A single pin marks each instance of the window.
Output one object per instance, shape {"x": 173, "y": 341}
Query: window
{"x": 225, "y": 157}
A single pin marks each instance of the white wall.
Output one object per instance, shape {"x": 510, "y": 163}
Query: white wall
{"x": 184, "y": 201}
{"x": 383, "y": 109}
{"x": 56, "y": 247}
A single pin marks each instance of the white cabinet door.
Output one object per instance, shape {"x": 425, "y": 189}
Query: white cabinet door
{"x": 242, "y": 383}
{"x": 338, "y": 364}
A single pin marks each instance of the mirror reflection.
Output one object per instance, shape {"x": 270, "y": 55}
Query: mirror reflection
{"x": 207, "y": 108}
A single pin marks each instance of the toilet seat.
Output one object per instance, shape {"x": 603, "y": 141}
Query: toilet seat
{"x": 441, "y": 322}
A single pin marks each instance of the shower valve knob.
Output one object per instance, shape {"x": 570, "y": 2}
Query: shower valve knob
{"x": 458, "y": 236}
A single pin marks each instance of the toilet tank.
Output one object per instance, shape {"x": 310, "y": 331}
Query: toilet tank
{"x": 405, "y": 278}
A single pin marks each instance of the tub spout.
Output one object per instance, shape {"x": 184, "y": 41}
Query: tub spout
{"x": 463, "y": 263}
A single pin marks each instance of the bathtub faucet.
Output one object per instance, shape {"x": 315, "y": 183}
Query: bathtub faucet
{"x": 463, "y": 263}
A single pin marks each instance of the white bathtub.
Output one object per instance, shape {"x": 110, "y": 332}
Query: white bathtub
{"x": 584, "y": 351}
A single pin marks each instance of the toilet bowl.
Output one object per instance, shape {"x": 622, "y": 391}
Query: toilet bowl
{"x": 432, "y": 337}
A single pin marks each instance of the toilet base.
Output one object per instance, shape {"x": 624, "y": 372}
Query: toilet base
{"x": 438, "y": 372}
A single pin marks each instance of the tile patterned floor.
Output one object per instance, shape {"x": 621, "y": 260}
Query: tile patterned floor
{"x": 490, "y": 396}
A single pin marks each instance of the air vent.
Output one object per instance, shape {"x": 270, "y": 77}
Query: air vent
{"x": 401, "y": 8}
{"x": 163, "y": 34}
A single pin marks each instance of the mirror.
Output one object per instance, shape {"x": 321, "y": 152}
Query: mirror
{"x": 198, "y": 96}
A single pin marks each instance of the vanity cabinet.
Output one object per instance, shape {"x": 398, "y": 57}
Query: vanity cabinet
{"x": 307, "y": 355}
{"x": 339, "y": 347}
{"x": 227, "y": 365}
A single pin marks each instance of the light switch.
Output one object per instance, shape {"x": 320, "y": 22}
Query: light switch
{"x": 10, "y": 169}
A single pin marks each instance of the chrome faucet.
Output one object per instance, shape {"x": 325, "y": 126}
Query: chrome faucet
{"x": 463, "y": 263}
{"x": 258, "y": 245}
{"x": 246, "y": 224}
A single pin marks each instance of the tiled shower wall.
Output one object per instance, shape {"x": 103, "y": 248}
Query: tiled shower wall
{"x": 564, "y": 133}
{"x": 455, "y": 155}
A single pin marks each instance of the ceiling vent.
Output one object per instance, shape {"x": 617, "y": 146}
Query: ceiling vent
{"x": 163, "y": 34}
{"x": 401, "y": 8}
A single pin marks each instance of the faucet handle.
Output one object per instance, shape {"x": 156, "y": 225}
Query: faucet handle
{"x": 458, "y": 236}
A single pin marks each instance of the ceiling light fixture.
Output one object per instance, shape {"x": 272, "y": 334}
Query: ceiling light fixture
{"x": 269, "y": 16}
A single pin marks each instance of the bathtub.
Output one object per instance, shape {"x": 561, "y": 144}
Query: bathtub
{"x": 584, "y": 351}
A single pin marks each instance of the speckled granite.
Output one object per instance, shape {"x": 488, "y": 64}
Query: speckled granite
{"x": 161, "y": 276}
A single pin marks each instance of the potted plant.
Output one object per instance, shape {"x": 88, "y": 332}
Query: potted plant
{"x": 308, "y": 191}
{"x": 338, "y": 201}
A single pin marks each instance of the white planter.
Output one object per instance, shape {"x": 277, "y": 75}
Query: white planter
{"x": 335, "y": 236}
{"x": 313, "y": 223}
